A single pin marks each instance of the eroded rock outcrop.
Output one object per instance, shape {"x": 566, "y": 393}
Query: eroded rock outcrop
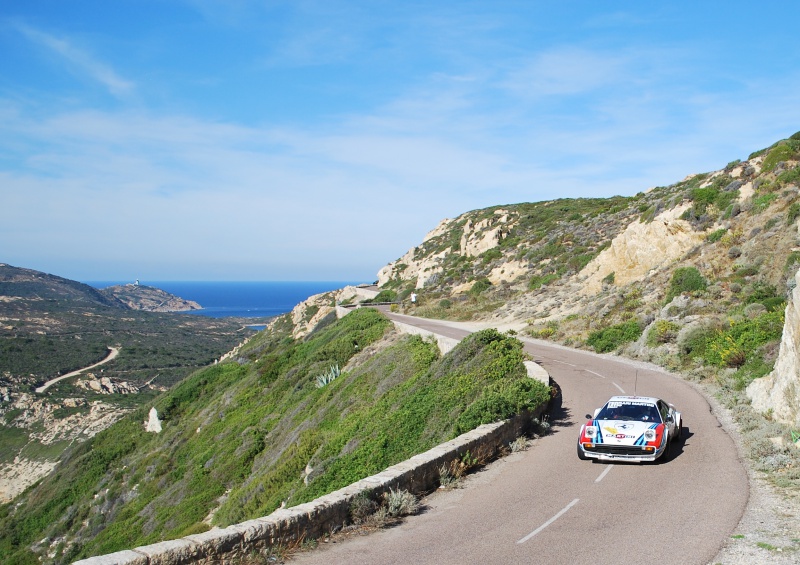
{"x": 779, "y": 391}
{"x": 640, "y": 249}
{"x": 409, "y": 266}
{"x": 485, "y": 234}
{"x": 477, "y": 237}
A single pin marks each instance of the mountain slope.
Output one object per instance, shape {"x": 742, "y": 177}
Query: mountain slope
{"x": 693, "y": 276}
{"x": 148, "y": 298}
{"x": 51, "y": 326}
{"x": 279, "y": 425}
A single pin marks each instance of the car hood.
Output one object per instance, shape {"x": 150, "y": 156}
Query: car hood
{"x": 622, "y": 432}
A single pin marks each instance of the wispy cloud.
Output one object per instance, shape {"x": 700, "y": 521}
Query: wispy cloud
{"x": 79, "y": 60}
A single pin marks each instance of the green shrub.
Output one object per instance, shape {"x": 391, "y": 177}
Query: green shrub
{"x": 385, "y": 295}
{"x": 793, "y": 213}
{"x": 609, "y": 339}
{"x": 789, "y": 177}
{"x": 479, "y": 287}
{"x": 490, "y": 255}
{"x": 784, "y": 151}
{"x": 734, "y": 346}
{"x": 541, "y": 280}
{"x": 715, "y": 236}
{"x": 663, "y": 331}
{"x": 685, "y": 279}
{"x": 762, "y": 202}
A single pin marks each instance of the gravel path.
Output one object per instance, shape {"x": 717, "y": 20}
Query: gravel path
{"x": 769, "y": 531}
{"x": 112, "y": 353}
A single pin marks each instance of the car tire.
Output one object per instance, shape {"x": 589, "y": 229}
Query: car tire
{"x": 678, "y": 432}
{"x": 581, "y": 454}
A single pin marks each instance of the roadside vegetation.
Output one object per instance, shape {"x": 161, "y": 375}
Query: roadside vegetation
{"x": 716, "y": 315}
{"x": 242, "y": 438}
{"x": 287, "y": 420}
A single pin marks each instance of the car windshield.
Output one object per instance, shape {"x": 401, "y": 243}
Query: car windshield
{"x": 640, "y": 412}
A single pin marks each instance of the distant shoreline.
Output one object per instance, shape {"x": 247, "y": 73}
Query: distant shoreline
{"x": 238, "y": 299}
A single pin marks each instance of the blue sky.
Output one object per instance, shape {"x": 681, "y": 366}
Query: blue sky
{"x": 320, "y": 140}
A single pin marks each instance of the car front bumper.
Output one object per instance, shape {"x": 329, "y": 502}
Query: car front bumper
{"x": 630, "y": 453}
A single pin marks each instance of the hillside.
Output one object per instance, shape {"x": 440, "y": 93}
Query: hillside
{"x": 148, "y": 298}
{"x": 51, "y": 326}
{"x": 284, "y": 423}
{"x": 694, "y": 276}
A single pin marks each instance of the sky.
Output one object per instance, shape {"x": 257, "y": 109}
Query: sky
{"x": 320, "y": 140}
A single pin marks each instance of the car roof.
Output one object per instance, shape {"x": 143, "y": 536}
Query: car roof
{"x": 643, "y": 399}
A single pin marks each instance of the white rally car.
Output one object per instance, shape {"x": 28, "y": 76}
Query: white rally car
{"x": 630, "y": 428}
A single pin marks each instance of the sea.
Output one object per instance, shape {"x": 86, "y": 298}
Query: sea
{"x": 239, "y": 299}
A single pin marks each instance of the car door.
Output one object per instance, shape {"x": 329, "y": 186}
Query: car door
{"x": 668, "y": 417}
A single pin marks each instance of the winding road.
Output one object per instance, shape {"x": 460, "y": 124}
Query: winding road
{"x": 112, "y": 353}
{"x": 546, "y": 506}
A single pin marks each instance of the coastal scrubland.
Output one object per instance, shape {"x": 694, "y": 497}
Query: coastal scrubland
{"x": 244, "y": 437}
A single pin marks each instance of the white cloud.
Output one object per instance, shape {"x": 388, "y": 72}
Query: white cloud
{"x": 79, "y": 60}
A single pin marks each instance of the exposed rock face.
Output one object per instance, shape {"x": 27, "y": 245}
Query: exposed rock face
{"x": 16, "y": 477}
{"x": 485, "y": 234}
{"x": 411, "y": 267}
{"x": 309, "y": 313}
{"x": 508, "y": 272}
{"x": 641, "y": 248}
{"x": 153, "y": 423}
{"x": 105, "y": 385}
{"x": 780, "y": 390}
{"x": 476, "y": 238}
{"x": 71, "y": 419}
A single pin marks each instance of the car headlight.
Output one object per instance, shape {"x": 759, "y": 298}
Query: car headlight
{"x": 650, "y": 435}
{"x": 591, "y": 431}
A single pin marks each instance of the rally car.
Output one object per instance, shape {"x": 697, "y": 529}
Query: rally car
{"x": 630, "y": 428}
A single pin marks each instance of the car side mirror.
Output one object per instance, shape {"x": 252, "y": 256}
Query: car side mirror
{"x": 588, "y": 416}
{"x": 670, "y": 419}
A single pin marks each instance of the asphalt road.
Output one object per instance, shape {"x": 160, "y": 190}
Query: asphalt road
{"x": 544, "y": 505}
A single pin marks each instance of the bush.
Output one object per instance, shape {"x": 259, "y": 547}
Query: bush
{"x": 400, "y": 503}
{"x": 383, "y": 296}
{"x": 663, "y": 331}
{"x": 715, "y": 236}
{"x": 783, "y": 151}
{"x": 685, "y": 279}
{"x": 541, "y": 280}
{"x": 792, "y": 176}
{"x": 611, "y": 338}
{"x": 480, "y": 286}
{"x": 793, "y": 213}
{"x": 733, "y": 347}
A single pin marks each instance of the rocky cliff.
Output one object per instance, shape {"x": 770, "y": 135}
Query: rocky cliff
{"x": 778, "y": 393}
{"x": 568, "y": 269}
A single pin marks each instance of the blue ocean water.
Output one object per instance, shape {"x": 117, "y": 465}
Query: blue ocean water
{"x": 240, "y": 299}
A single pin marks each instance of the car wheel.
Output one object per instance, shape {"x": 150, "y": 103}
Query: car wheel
{"x": 678, "y": 432}
{"x": 581, "y": 454}
{"x": 665, "y": 455}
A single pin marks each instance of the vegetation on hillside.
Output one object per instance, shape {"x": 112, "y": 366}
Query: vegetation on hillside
{"x": 715, "y": 314}
{"x": 241, "y": 438}
{"x": 291, "y": 419}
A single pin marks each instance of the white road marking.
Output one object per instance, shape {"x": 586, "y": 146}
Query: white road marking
{"x": 592, "y": 372}
{"x": 550, "y": 521}
{"x": 603, "y": 474}
{"x": 563, "y": 362}
{"x": 618, "y": 387}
